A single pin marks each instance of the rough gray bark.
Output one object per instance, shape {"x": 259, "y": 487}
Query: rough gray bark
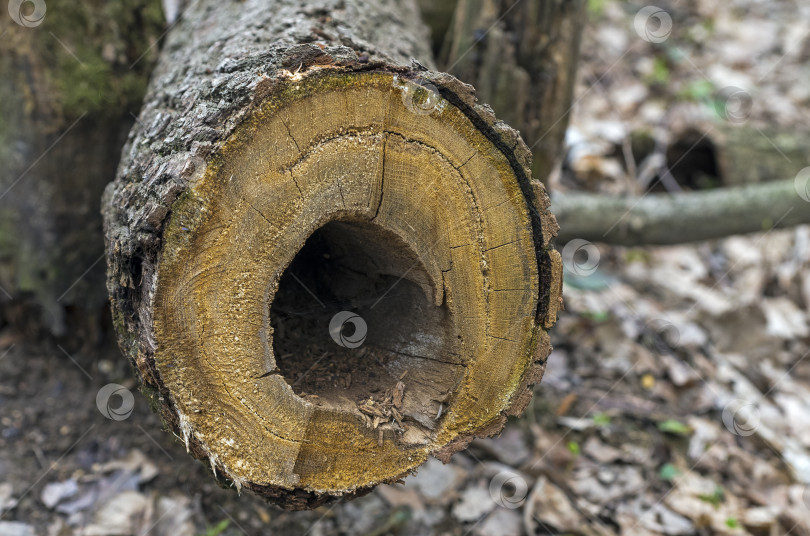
{"x": 522, "y": 57}
{"x": 679, "y": 218}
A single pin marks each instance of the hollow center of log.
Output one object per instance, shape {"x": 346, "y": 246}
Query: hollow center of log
{"x": 410, "y": 219}
{"x": 354, "y": 315}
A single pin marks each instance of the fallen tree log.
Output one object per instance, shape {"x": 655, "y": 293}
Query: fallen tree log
{"x": 325, "y": 265}
{"x": 661, "y": 219}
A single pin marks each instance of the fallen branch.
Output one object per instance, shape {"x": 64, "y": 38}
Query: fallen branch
{"x": 658, "y": 219}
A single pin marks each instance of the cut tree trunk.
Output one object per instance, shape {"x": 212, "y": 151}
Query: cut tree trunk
{"x": 325, "y": 265}
{"x": 69, "y": 83}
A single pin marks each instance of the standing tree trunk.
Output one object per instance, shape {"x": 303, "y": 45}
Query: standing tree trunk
{"x": 522, "y": 58}
{"x": 326, "y": 265}
{"x": 70, "y": 78}
{"x": 438, "y": 15}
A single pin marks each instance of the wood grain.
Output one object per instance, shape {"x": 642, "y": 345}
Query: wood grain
{"x": 340, "y": 181}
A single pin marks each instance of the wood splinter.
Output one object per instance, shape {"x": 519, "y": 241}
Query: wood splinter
{"x": 329, "y": 183}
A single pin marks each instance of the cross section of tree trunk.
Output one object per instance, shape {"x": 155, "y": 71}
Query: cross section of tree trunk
{"x": 326, "y": 265}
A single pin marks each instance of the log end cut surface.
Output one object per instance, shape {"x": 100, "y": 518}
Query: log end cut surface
{"x": 359, "y": 279}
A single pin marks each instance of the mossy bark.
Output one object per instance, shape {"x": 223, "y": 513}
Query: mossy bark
{"x": 68, "y": 87}
{"x": 290, "y": 162}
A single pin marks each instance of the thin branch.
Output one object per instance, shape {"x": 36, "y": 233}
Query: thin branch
{"x": 679, "y": 218}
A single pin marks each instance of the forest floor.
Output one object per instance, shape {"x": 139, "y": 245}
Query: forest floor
{"x": 676, "y": 401}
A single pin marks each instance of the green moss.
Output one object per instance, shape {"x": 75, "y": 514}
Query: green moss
{"x": 126, "y": 338}
{"x": 596, "y": 8}
{"x": 716, "y": 498}
{"x": 99, "y": 55}
{"x": 153, "y": 398}
{"x": 660, "y": 74}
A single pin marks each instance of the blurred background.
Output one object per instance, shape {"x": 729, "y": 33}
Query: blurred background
{"x": 677, "y": 398}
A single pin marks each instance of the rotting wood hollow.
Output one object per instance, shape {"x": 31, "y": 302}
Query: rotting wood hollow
{"x": 359, "y": 194}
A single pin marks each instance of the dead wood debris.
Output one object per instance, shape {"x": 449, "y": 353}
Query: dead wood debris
{"x": 385, "y": 413}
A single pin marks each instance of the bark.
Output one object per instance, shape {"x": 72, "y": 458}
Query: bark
{"x": 67, "y": 86}
{"x": 684, "y": 217}
{"x": 289, "y": 167}
{"x": 522, "y": 58}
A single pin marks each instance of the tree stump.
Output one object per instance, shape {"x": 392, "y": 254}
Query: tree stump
{"x": 325, "y": 265}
